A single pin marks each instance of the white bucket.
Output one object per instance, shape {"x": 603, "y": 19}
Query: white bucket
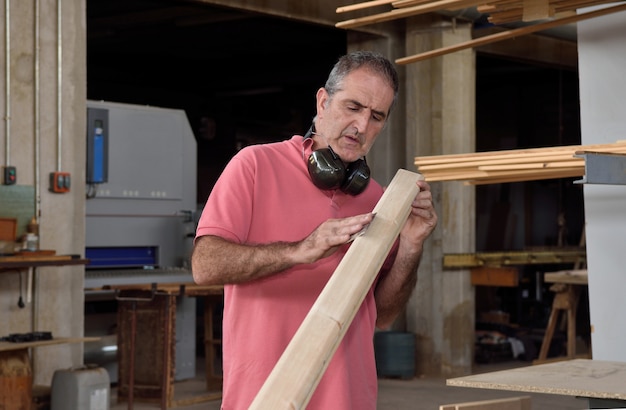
{"x": 83, "y": 388}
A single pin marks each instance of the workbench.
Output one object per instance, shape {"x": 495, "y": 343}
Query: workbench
{"x": 600, "y": 382}
{"x": 146, "y": 336}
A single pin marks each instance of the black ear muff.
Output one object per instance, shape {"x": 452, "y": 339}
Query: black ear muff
{"x": 357, "y": 178}
{"x": 327, "y": 171}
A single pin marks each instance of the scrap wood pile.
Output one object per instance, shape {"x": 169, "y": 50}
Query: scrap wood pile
{"x": 545, "y": 14}
{"x": 512, "y": 165}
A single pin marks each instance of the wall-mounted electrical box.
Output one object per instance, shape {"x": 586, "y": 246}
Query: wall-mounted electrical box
{"x": 97, "y": 145}
{"x": 60, "y": 182}
{"x": 10, "y": 175}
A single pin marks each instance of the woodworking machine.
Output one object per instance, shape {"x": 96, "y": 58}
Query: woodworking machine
{"x": 140, "y": 213}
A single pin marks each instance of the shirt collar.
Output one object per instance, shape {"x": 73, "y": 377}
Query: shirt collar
{"x": 307, "y": 148}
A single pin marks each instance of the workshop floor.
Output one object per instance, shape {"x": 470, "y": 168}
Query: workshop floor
{"x": 416, "y": 394}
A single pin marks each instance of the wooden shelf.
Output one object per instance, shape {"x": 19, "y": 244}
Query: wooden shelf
{"x": 33, "y": 261}
{"x": 7, "y": 346}
{"x": 512, "y": 258}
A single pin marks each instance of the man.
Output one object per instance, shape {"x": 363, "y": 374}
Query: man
{"x": 276, "y": 226}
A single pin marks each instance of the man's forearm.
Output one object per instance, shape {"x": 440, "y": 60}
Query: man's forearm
{"x": 216, "y": 261}
{"x": 394, "y": 290}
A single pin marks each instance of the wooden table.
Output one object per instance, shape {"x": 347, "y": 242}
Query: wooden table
{"x": 146, "y": 335}
{"x": 601, "y": 382}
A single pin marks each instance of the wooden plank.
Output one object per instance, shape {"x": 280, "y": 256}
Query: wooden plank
{"x": 527, "y": 176}
{"x": 572, "y": 277}
{"x": 294, "y": 379}
{"x": 507, "y": 176}
{"x": 409, "y": 3}
{"x": 579, "y": 377}
{"x": 514, "y": 159}
{"x": 408, "y": 12}
{"x": 509, "y": 165}
{"x": 558, "y": 163}
{"x": 494, "y": 276}
{"x": 364, "y": 5}
{"x": 4, "y": 346}
{"x": 499, "y": 6}
{"x": 511, "y": 258}
{"x": 535, "y": 10}
{"x": 572, "y": 5}
{"x": 35, "y": 258}
{"x": 509, "y": 34}
{"x": 510, "y": 403}
{"x": 515, "y": 153}
{"x": 189, "y": 288}
{"x": 61, "y": 260}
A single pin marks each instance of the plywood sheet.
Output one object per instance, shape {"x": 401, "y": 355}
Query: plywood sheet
{"x": 511, "y": 403}
{"x": 580, "y": 377}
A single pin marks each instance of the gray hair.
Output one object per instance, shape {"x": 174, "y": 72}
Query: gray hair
{"x": 375, "y": 62}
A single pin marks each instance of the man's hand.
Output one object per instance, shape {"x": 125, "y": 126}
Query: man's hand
{"x": 422, "y": 219}
{"x": 216, "y": 261}
{"x": 394, "y": 289}
{"x": 330, "y": 235}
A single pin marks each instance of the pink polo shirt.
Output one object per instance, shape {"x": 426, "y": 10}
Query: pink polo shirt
{"x": 264, "y": 195}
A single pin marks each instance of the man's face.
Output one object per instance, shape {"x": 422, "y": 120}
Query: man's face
{"x": 351, "y": 120}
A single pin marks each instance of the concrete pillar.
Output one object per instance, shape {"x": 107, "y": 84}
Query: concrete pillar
{"x": 440, "y": 105}
{"x": 36, "y": 118}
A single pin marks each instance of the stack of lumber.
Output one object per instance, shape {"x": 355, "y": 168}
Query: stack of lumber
{"x": 499, "y": 11}
{"x": 546, "y": 14}
{"x": 511, "y": 165}
{"x": 510, "y": 11}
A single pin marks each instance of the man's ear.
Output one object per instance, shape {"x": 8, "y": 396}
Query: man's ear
{"x": 322, "y": 98}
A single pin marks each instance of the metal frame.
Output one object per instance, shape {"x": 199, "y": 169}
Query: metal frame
{"x": 603, "y": 168}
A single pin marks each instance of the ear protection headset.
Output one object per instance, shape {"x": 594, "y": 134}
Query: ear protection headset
{"x": 328, "y": 171}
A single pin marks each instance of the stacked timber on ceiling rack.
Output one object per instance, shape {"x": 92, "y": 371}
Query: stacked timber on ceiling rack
{"x": 545, "y": 14}
{"x": 513, "y": 165}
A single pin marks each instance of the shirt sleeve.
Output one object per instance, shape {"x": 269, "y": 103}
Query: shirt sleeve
{"x": 227, "y": 212}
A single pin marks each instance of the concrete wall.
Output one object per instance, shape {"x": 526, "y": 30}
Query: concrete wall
{"x": 36, "y": 149}
{"x": 602, "y": 57}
